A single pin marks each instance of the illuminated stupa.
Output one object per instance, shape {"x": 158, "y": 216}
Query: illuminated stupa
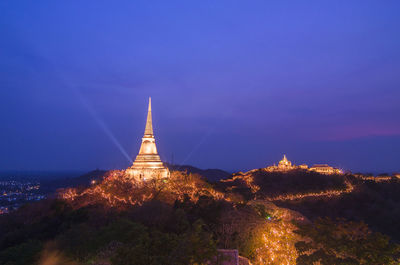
{"x": 148, "y": 164}
{"x": 285, "y": 164}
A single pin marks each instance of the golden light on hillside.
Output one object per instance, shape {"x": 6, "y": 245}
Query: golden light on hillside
{"x": 275, "y": 243}
{"x": 278, "y": 247}
{"x": 324, "y": 193}
{"x": 248, "y": 179}
{"x": 118, "y": 189}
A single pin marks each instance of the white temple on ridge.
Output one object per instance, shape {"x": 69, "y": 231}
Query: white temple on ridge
{"x": 286, "y": 165}
{"x": 148, "y": 164}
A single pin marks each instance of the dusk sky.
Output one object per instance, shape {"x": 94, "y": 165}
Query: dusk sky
{"x": 234, "y": 84}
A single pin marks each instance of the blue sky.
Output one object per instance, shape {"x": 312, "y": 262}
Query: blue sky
{"x": 234, "y": 84}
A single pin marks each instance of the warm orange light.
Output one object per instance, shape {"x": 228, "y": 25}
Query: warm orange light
{"x": 327, "y": 193}
{"x": 118, "y": 189}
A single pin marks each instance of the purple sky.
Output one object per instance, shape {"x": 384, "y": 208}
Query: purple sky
{"x": 235, "y": 84}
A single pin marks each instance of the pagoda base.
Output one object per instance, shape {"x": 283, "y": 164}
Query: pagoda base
{"x": 146, "y": 174}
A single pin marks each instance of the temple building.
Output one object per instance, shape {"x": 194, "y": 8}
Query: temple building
{"x": 283, "y": 165}
{"x": 286, "y": 165}
{"x": 303, "y": 166}
{"x": 148, "y": 164}
{"x": 325, "y": 169}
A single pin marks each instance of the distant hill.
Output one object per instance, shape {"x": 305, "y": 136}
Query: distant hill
{"x": 212, "y": 175}
{"x": 85, "y": 179}
{"x": 51, "y": 185}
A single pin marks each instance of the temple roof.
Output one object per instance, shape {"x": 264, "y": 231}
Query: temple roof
{"x": 321, "y": 165}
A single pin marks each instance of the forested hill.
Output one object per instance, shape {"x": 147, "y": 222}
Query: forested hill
{"x": 185, "y": 219}
{"x": 375, "y": 201}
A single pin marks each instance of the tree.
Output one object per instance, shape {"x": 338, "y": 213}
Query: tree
{"x": 195, "y": 246}
{"x": 25, "y": 253}
{"x": 342, "y": 242}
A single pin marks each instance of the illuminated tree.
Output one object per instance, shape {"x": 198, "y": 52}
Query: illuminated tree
{"x": 261, "y": 232}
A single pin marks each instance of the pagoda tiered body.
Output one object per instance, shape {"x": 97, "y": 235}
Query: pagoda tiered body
{"x": 148, "y": 164}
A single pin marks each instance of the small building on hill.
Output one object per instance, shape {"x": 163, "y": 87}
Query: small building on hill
{"x": 303, "y": 166}
{"x": 325, "y": 169}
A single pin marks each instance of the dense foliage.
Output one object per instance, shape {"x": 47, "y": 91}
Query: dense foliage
{"x": 119, "y": 190}
{"x": 265, "y": 184}
{"x": 187, "y": 230}
{"x": 375, "y": 203}
{"x": 277, "y": 183}
{"x": 89, "y": 235}
{"x": 184, "y": 220}
{"x": 340, "y": 242}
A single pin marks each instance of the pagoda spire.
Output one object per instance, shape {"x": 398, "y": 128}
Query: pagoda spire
{"x": 148, "y": 131}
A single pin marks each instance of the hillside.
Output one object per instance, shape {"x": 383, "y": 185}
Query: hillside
{"x": 374, "y": 201}
{"x": 284, "y": 185}
{"x": 184, "y": 220}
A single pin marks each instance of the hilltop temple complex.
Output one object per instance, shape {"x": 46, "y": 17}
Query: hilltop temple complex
{"x": 286, "y": 165}
{"x": 148, "y": 164}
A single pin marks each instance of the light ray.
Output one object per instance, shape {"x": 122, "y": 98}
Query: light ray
{"x": 101, "y": 123}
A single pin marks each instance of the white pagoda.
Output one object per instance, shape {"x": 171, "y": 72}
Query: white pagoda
{"x": 148, "y": 164}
